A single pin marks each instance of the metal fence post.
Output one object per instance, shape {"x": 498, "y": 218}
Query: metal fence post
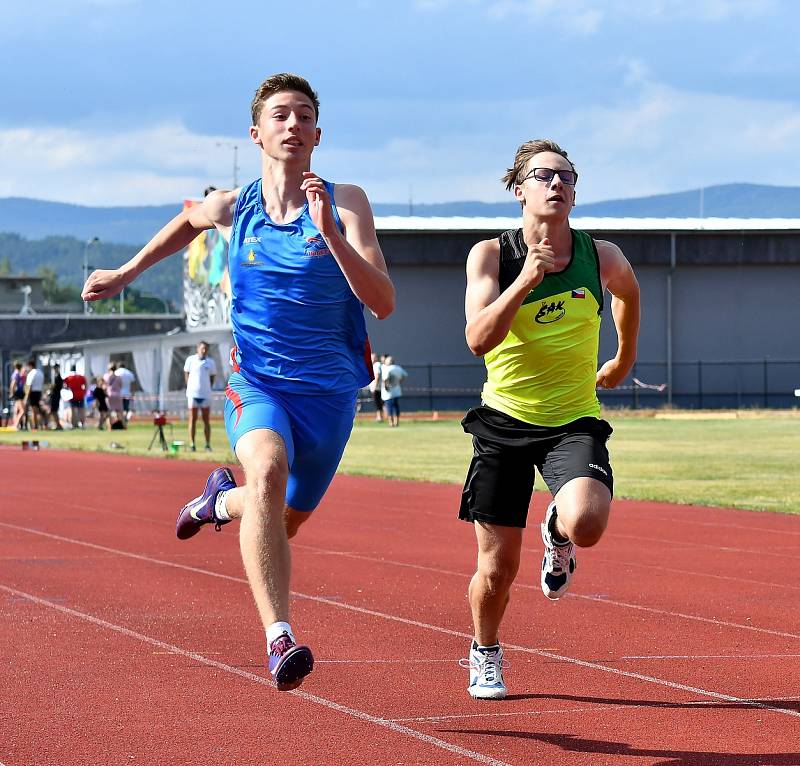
{"x": 700, "y": 383}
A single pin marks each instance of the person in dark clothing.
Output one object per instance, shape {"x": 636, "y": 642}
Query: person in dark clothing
{"x": 55, "y": 398}
{"x": 101, "y": 399}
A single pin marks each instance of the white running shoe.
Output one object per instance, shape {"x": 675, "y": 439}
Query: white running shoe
{"x": 485, "y": 665}
{"x": 559, "y": 560}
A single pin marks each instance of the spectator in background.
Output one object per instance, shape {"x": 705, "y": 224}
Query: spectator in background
{"x": 375, "y": 387}
{"x": 34, "y": 383}
{"x": 101, "y": 400}
{"x": 113, "y": 386}
{"x": 55, "y": 397}
{"x": 76, "y": 383}
{"x": 127, "y": 378}
{"x": 392, "y": 375}
{"x": 16, "y": 392}
{"x": 199, "y": 371}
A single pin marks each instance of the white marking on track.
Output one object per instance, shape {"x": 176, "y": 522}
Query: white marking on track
{"x": 172, "y": 649}
{"x": 448, "y": 631}
{"x": 708, "y": 656}
{"x": 690, "y": 573}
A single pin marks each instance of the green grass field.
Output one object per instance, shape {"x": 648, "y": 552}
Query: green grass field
{"x": 736, "y": 462}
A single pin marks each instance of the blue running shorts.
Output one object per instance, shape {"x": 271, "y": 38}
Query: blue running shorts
{"x": 315, "y": 429}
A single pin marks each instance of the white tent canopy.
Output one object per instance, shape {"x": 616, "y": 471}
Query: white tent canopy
{"x": 153, "y": 356}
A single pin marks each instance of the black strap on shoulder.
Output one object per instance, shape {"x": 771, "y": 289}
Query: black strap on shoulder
{"x": 513, "y": 251}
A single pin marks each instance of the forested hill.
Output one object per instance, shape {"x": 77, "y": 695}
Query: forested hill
{"x": 35, "y": 219}
{"x": 64, "y": 255}
{"x": 54, "y": 234}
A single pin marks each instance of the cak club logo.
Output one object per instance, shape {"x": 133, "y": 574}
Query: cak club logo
{"x": 550, "y": 312}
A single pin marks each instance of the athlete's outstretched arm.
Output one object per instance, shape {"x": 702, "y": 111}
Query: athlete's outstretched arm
{"x": 357, "y": 250}
{"x": 216, "y": 210}
{"x": 617, "y": 275}
{"x": 489, "y": 312}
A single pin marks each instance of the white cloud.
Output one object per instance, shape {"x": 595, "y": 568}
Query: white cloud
{"x": 580, "y": 17}
{"x": 152, "y": 165}
{"x": 588, "y": 17}
{"x": 660, "y": 139}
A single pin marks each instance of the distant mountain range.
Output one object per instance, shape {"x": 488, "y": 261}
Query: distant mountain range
{"x": 35, "y": 219}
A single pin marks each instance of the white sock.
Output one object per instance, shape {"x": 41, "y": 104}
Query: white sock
{"x": 221, "y": 506}
{"x": 276, "y": 629}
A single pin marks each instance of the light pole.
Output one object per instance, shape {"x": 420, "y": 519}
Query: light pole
{"x": 89, "y": 243}
{"x": 235, "y": 148}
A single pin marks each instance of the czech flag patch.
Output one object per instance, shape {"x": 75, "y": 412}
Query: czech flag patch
{"x": 579, "y": 293}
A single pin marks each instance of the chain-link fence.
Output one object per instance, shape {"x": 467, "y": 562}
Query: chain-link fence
{"x": 767, "y": 383}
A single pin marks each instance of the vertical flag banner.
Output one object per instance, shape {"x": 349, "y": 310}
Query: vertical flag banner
{"x": 206, "y": 284}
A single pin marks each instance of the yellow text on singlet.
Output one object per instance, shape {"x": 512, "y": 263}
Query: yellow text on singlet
{"x": 544, "y": 371}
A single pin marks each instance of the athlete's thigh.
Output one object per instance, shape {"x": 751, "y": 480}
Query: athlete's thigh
{"x": 322, "y": 426}
{"x": 499, "y": 547}
{"x": 248, "y": 408}
{"x": 584, "y": 502}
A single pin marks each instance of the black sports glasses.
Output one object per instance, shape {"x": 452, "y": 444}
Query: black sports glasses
{"x": 568, "y": 177}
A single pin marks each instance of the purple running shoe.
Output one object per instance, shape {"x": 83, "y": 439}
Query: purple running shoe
{"x": 289, "y": 663}
{"x": 201, "y": 510}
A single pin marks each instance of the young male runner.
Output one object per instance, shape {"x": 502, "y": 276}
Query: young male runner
{"x": 533, "y": 303}
{"x": 303, "y": 258}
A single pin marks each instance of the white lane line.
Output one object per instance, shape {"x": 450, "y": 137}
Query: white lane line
{"x": 688, "y": 572}
{"x": 663, "y": 542}
{"x": 709, "y": 656}
{"x": 428, "y": 626}
{"x": 698, "y": 618}
{"x": 726, "y": 527}
{"x": 557, "y": 711}
{"x": 597, "y": 599}
{"x": 512, "y": 714}
{"x": 427, "y": 661}
{"x": 172, "y": 649}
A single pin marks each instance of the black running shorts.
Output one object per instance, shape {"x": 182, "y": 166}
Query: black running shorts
{"x": 506, "y": 453}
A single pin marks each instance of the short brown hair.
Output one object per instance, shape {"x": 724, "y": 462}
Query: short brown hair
{"x": 513, "y": 175}
{"x": 281, "y": 82}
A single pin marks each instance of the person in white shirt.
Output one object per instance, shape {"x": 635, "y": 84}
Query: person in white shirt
{"x": 392, "y": 375}
{"x": 375, "y": 387}
{"x": 127, "y": 378}
{"x": 199, "y": 373}
{"x": 34, "y": 383}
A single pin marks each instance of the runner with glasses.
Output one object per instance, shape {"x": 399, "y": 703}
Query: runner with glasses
{"x": 533, "y": 305}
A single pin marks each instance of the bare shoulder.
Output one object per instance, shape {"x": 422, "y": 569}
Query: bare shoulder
{"x": 219, "y": 206}
{"x": 484, "y": 255}
{"x": 610, "y": 256}
{"x": 608, "y": 250}
{"x": 351, "y": 198}
{"x": 615, "y": 269}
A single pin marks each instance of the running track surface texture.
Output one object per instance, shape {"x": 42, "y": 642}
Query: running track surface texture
{"x": 678, "y": 645}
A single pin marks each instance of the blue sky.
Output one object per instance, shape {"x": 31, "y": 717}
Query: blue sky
{"x": 127, "y": 102}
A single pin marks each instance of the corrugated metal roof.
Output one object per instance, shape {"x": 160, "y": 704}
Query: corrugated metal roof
{"x": 463, "y": 223}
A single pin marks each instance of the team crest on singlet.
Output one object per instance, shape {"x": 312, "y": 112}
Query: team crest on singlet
{"x": 550, "y": 311}
{"x": 315, "y": 246}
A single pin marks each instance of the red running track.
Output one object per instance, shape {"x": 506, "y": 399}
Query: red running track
{"x": 679, "y": 643}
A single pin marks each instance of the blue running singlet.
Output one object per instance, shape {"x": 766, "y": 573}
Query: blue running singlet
{"x": 297, "y": 325}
